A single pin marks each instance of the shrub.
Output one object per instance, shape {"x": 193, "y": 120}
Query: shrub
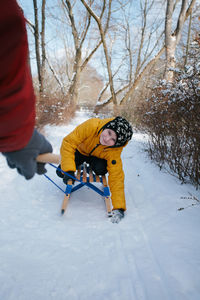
{"x": 53, "y": 110}
{"x": 171, "y": 117}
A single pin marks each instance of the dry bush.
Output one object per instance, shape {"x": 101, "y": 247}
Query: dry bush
{"x": 50, "y": 110}
{"x": 171, "y": 117}
{"x": 52, "y": 107}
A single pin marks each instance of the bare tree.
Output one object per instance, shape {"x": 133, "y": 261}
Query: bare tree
{"x": 78, "y": 43}
{"x": 37, "y": 40}
{"x": 39, "y": 43}
{"x": 188, "y": 39}
{"x": 43, "y": 46}
{"x": 172, "y": 38}
{"x": 149, "y": 54}
{"x": 140, "y": 59}
{"x": 101, "y": 31}
{"x": 81, "y": 34}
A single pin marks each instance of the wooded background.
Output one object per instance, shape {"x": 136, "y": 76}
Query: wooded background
{"x": 103, "y": 51}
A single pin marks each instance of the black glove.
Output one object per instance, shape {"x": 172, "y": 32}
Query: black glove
{"x": 25, "y": 159}
{"x": 59, "y": 173}
{"x": 66, "y": 177}
{"x": 117, "y": 215}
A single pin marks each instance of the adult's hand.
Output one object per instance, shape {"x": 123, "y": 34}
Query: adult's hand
{"x": 24, "y": 160}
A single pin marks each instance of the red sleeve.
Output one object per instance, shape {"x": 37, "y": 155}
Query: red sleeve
{"x": 17, "y": 99}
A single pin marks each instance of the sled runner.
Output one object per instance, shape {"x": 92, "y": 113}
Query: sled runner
{"x": 84, "y": 176}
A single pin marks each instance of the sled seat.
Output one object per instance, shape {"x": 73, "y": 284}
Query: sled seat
{"x": 85, "y": 176}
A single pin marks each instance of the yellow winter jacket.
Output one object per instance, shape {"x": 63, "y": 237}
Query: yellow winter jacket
{"x": 84, "y": 138}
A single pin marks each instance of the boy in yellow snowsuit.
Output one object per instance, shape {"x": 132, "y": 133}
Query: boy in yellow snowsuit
{"x": 99, "y": 142}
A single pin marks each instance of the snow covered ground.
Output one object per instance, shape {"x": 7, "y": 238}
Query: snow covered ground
{"x": 152, "y": 254}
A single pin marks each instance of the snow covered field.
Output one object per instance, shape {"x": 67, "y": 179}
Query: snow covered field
{"x": 153, "y": 254}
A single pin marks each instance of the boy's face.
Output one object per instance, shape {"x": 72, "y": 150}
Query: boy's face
{"x": 108, "y": 137}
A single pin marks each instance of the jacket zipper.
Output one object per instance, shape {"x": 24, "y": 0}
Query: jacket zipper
{"x": 94, "y": 149}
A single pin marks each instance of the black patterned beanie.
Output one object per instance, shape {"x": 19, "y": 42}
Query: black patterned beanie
{"x": 122, "y": 128}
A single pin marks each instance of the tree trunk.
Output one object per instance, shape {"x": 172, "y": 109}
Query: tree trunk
{"x": 74, "y": 87}
{"x": 43, "y": 47}
{"x": 172, "y": 39}
{"x": 188, "y": 40}
{"x": 37, "y": 42}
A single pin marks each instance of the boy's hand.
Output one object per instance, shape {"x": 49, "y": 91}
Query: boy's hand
{"x": 66, "y": 177}
{"x": 24, "y": 160}
{"x": 117, "y": 215}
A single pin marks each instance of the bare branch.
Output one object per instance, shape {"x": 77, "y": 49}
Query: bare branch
{"x": 37, "y": 37}
{"x": 172, "y": 39}
{"x": 181, "y": 20}
{"x": 56, "y": 76}
{"x": 71, "y": 17}
{"x": 32, "y": 27}
{"x": 107, "y": 57}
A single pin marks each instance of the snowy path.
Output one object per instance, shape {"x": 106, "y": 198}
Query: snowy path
{"x": 152, "y": 254}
